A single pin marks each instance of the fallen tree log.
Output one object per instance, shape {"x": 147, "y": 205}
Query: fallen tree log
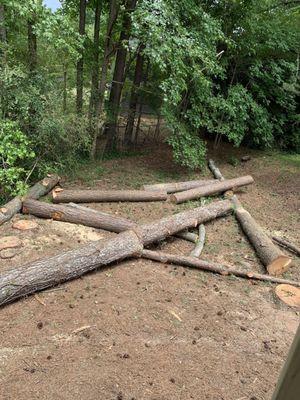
{"x": 193, "y": 262}
{"x": 94, "y": 196}
{"x": 215, "y": 170}
{"x": 36, "y": 191}
{"x": 196, "y": 252}
{"x": 173, "y": 187}
{"x": 287, "y": 245}
{"x": 189, "y": 236}
{"x": 208, "y": 190}
{"x": 273, "y": 259}
{"x": 77, "y": 215}
{"x": 29, "y": 278}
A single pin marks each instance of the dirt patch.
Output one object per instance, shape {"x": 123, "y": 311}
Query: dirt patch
{"x": 142, "y": 330}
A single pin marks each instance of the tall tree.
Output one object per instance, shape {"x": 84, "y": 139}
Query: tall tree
{"x": 95, "y": 61}
{"x": 119, "y": 75}
{"x": 107, "y": 52}
{"x": 32, "y": 44}
{"x": 79, "y": 77}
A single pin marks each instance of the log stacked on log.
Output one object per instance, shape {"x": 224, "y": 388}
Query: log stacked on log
{"x": 35, "y": 192}
{"x": 174, "y": 187}
{"x": 94, "y": 196}
{"x": 39, "y": 275}
{"x": 209, "y": 190}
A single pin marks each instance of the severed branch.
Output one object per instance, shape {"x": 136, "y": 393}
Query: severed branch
{"x": 193, "y": 262}
{"x": 287, "y": 245}
{"x": 200, "y": 242}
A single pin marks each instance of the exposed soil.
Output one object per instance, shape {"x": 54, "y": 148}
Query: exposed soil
{"x": 143, "y": 330}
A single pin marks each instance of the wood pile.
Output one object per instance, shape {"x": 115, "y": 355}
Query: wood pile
{"x": 132, "y": 239}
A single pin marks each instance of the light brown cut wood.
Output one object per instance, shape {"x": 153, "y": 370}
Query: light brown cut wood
{"x": 36, "y": 191}
{"x": 29, "y": 278}
{"x": 173, "y": 187}
{"x": 287, "y": 245}
{"x": 208, "y": 190}
{"x": 194, "y": 262}
{"x": 273, "y": 259}
{"x": 77, "y": 214}
{"x": 94, "y": 196}
{"x": 289, "y": 294}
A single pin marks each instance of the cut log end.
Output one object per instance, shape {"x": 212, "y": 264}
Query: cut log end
{"x": 279, "y": 265}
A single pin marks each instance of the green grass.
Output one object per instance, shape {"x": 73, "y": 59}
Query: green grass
{"x": 86, "y": 171}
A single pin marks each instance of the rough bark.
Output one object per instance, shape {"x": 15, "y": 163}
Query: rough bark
{"x": 64, "y": 88}
{"x": 214, "y": 188}
{"x": 79, "y": 67}
{"x": 39, "y": 275}
{"x": 94, "y": 196}
{"x": 36, "y": 191}
{"x": 174, "y": 187}
{"x": 138, "y": 76}
{"x": 193, "y": 262}
{"x": 95, "y": 61}
{"x": 159, "y": 230}
{"x": 287, "y": 245}
{"x": 216, "y": 172}
{"x": 272, "y": 258}
{"x": 118, "y": 76}
{"x": 78, "y": 215}
{"x": 196, "y": 252}
{"x": 98, "y": 123}
{"x": 72, "y": 264}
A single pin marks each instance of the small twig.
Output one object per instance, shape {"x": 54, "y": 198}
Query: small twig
{"x": 39, "y": 300}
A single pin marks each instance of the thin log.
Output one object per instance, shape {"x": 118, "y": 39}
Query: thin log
{"x": 194, "y": 262}
{"x": 287, "y": 245}
{"x": 208, "y": 190}
{"x": 29, "y": 278}
{"x": 273, "y": 259}
{"x": 196, "y": 252}
{"x": 82, "y": 215}
{"x": 94, "y": 196}
{"x": 36, "y": 191}
{"x": 189, "y": 236}
{"x": 215, "y": 170}
{"x": 173, "y": 187}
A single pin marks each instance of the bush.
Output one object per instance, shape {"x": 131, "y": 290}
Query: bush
{"x": 16, "y": 155}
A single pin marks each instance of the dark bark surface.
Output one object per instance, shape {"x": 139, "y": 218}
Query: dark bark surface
{"x": 79, "y": 68}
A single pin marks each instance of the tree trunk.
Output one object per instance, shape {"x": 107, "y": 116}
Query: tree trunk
{"x": 94, "y": 196}
{"x": 36, "y": 191}
{"x": 29, "y": 278}
{"x": 3, "y": 37}
{"x": 79, "y": 68}
{"x": 174, "y": 187}
{"x": 287, "y": 245}
{"x": 273, "y": 259}
{"x": 78, "y": 215}
{"x": 64, "y": 88}
{"x": 193, "y": 262}
{"x": 118, "y": 76}
{"x": 95, "y": 62}
{"x": 138, "y": 76}
{"x": 99, "y": 103}
{"x": 208, "y": 190}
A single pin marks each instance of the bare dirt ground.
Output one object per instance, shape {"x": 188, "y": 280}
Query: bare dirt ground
{"x": 143, "y": 330}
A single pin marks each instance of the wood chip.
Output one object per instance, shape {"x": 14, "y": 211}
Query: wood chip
{"x": 24, "y": 225}
{"x": 8, "y": 242}
{"x": 289, "y": 294}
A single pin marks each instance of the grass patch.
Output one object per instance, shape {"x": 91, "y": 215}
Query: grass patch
{"x": 86, "y": 171}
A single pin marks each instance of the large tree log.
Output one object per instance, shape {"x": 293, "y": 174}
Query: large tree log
{"x": 273, "y": 259}
{"x": 173, "y": 187}
{"x": 36, "y": 191}
{"x": 287, "y": 245}
{"x": 39, "y": 275}
{"x": 193, "y": 262}
{"x": 94, "y": 196}
{"x": 77, "y": 215}
{"x": 208, "y": 190}
{"x": 49, "y": 272}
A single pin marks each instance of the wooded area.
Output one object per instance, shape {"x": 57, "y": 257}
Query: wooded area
{"x": 76, "y": 83}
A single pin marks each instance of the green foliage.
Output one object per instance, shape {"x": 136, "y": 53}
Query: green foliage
{"x": 16, "y": 154}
